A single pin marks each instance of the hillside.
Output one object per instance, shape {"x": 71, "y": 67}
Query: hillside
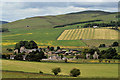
{"x": 52, "y": 21}
{"x": 3, "y": 22}
{"x": 40, "y": 29}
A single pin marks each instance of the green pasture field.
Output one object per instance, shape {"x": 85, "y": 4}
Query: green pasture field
{"x": 87, "y": 70}
{"x": 47, "y": 37}
{"x": 42, "y": 36}
{"x": 97, "y": 42}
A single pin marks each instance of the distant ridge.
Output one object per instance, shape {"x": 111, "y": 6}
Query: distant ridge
{"x": 58, "y": 20}
{"x": 3, "y": 22}
{"x": 93, "y": 11}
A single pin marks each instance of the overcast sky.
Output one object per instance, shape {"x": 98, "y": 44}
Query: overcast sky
{"x": 12, "y": 11}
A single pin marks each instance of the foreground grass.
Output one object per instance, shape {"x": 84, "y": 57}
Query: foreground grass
{"x": 87, "y": 70}
{"x": 13, "y": 74}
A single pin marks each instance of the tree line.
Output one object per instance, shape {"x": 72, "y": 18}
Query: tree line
{"x": 111, "y": 24}
{"x": 4, "y": 30}
{"x": 110, "y": 53}
{"x": 76, "y": 23}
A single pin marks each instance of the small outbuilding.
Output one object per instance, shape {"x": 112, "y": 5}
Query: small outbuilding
{"x": 95, "y": 26}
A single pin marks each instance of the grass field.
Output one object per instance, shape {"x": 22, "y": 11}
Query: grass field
{"x": 70, "y": 38}
{"x": 98, "y": 42}
{"x": 88, "y": 34}
{"x": 17, "y": 74}
{"x": 42, "y": 36}
{"x": 87, "y": 70}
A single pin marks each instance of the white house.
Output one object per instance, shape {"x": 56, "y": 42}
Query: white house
{"x": 95, "y": 26}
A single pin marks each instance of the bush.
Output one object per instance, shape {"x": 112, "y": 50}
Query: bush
{"x": 115, "y": 44}
{"x": 65, "y": 60}
{"x": 19, "y": 56}
{"x": 116, "y": 57}
{"x": 75, "y": 72}
{"x": 28, "y": 45}
{"x": 3, "y": 56}
{"x": 80, "y": 56}
{"x": 51, "y": 48}
{"x": 102, "y": 45}
{"x": 100, "y": 60}
{"x": 58, "y": 47}
{"x": 40, "y": 72}
{"x": 4, "y": 30}
{"x": 106, "y": 61}
{"x": 9, "y": 49}
{"x": 56, "y": 71}
{"x": 35, "y": 56}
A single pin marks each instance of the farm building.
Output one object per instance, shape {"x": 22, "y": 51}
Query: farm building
{"x": 95, "y": 26}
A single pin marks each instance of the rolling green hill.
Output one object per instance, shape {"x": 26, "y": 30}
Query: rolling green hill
{"x": 40, "y": 28}
{"x": 51, "y": 21}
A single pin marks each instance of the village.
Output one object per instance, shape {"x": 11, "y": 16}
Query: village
{"x": 59, "y": 54}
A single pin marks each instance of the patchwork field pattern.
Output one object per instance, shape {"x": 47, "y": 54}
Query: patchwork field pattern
{"x": 89, "y": 33}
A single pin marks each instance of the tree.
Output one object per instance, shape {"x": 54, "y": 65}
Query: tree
{"x": 101, "y": 55}
{"x": 40, "y": 72}
{"x": 4, "y": 30}
{"x": 33, "y": 45}
{"x": 58, "y": 47}
{"x": 56, "y": 71}
{"x": 26, "y": 44}
{"x": 75, "y": 72}
{"x": 109, "y": 53}
{"x": 51, "y": 48}
{"x": 48, "y": 47}
{"x": 92, "y": 50}
{"x": 19, "y": 56}
{"x": 65, "y": 60}
{"x": 17, "y": 46}
{"x": 61, "y": 56}
{"x": 102, "y": 45}
{"x": 35, "y": 56}
{"x": 80, "y": 56}
{"x": 115, "y": 44}
{"x": 85, "y": 51}
{"x": 8, "y": 49}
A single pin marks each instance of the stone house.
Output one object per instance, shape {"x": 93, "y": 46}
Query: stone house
{"x": 95, "y": 55}
{"x": 87, "y": 56}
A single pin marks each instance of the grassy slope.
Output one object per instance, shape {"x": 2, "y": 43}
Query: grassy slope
{"x": 87, "y": 70}
{"x": 42, "y": 36}
{"x": 51, "y": 21}
{"x": 42, "y": 31}
{"x": 98, "y": 42}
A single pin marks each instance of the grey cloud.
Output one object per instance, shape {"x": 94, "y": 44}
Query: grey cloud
{"x": 65, "y": 4}
{"x": 14, "y": 11}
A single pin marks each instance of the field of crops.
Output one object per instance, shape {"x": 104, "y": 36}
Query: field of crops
{"x": 87, "y": 70}
{"x": 88, "y": 34}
